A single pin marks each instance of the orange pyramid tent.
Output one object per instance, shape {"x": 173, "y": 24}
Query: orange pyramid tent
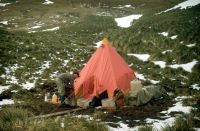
{"x": 105, "y": 70}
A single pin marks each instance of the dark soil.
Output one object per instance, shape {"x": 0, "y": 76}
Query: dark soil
{"x": 129, "y": 114}
{"x": 7, "y": 94}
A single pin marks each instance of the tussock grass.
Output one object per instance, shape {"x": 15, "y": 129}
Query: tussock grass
{"x": 18, "y": 119}
{"x": 74, "y": 42}
{"x": 14, "y": 119}
{"x": 182, "y": 124}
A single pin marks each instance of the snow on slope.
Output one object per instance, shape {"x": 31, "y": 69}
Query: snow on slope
{"x": 52, "y": 29}
{"x": 187, "y": 67}
{"x": 47, "y": 2}
{"x": 183, "y": 5}
{"x": 4, "y": 4}
{"x": 166, "y": 34}
{"x": 125, "y": 22}
{"x": 3, "y": 88}
{"x": 98, "y": 44}
{"x": 191, "y": 45}
{"x": 6, "y": 102}
{"x": 195, "y": 87}
{"x": 4, "y": 22}
{"x": 162, "y": 64}
{"x": 142, "y": 57}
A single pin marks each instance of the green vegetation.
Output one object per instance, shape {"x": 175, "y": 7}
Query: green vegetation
{"x": 37, "y": 56}
{"x": 12, "y": 119}
{"x": 18, "y": 119}
{"x": 74, "y": 42}
{"x": 182, "y": 124}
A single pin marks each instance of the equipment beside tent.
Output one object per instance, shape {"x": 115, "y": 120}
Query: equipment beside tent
{"x": 105, "y": 70}
{"x": 150, "y": 92}
{"x": 140, "y": 95}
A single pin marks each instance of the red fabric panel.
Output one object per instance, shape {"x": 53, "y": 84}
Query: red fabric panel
{"x": 105, "y": 70}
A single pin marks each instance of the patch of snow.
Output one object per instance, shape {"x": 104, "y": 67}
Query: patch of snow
{"x": 103, "y": 14}
{"x": 195, "y": 87}
{"x": 164, "y": 34}
{"x": 180, "y": 108}
{"x": 73, "y": 22}
{"x": 3, "y": 88}
{"x": 84, "y": 116}
{"x": 117, "y": 117}
{"x": 173, "y": 37}
{"x": 13, "y": 80}
{"x": 9, "y": 74}
{"x": 44, "y": 66}
{"x": 130, "y": 65}
{"x": 52, "y": 29}
{"x": 149, "y": 120}
{"x": 162, "y": 64}
{"x": 32, "y": 31}
{"x": 140, "y": 76}
{"x": 163, "y": 112}
{"x": 28, "y": 85}
{"x": 160, "y": 124}
{"x": 179, "y": 98}
{"x": 156, "y": 123}
{"x": 154, "y": 81}
{"x": 125, "y": 6}
{"x": 170, "y": 93}
{"x": 62, "y": 124}
{"x": 142, "y": 57}
{"x": 14, "y": 91}
{"x": 98, "y": 44}
{"x": 183, "y": 5}
{"x": 125, "y": 22}
{"x": 47, "y": 2}
{"x": 197, "y": 129}
{"x": 164, "y": 52}
{"x": 187, "y": 67}
{"x": 4, "y": 22}
{"x": 35, "y": 27}
{"x": 6, "y": 102}
{"x": 119, "y": 7}
{"x": 191, "y": 45}
{"x": 4, "y": 4}
{"x": 65, "y": 62}
{"x": 122, "y": 127}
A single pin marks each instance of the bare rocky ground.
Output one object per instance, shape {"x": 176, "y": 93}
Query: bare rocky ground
{"x": 131, "y": 115}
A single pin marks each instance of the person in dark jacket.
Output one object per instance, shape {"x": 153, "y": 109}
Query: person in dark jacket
{"x": 65, "y": 85}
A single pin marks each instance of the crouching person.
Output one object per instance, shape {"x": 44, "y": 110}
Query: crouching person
{"x": 65, "y": 85}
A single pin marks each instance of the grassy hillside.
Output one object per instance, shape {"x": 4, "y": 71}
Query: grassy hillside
{"x": 80, "y": 27}
{"x": 39, "y": 41}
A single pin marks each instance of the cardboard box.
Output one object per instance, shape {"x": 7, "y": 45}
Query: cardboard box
{"x": 108, "y": 103}
{"x": 83, "y": 102}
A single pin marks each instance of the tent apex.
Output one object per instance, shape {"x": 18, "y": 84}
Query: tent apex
{"x": 105, "y": 41}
